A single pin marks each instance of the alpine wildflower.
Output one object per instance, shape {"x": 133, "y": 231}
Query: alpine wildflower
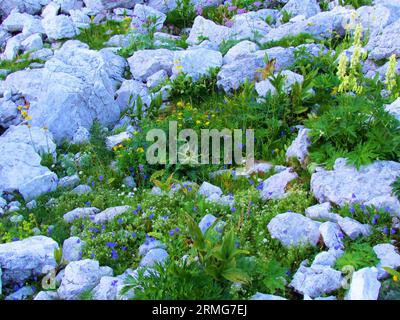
{"x": 390, "y": 78}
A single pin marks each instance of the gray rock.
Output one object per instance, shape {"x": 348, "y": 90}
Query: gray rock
{"x": 364, "y": 285}
{"x": 263, "y": 296}
{"x": 15, "y": 21}
{"x": 82, "y": 189}
{"x": 385, "y": 43}
{"x": 81, "y": 136}
{"x": 21, "y": 294}
{"x": 72, "y": 249}
{"x": 110, "y": 214}
{"x": 375, "y": 18}
{"x": 322, "y": 212}
{"x": 81, "y": 276}
{"x": 33, "y": 42}
{"x": 388, "y": 256}
{"x": 196, "y": 62}
{"x": 80, "y": 213}
{"x": 233, "y": 75}
{"x": 109, "y": 288}
{"x": 20, "y": 163}
{"x": 67, "y": 5}
{"x": 112, "y": 141}
{"x": 31, "y": 6}
{"x": 13, "y": 47}
{"x": 353, "y": 228}
{"x": 344, "y": 184}
{"x": 145, "y": 17}
{"x": 58, "y": 27}
{"x": 206, "y": 222}
{"x": 275, "y": 186}
{"x": 100, "y": 5}
{"x": 9, "y": 114}
{"x": 290, "y": 79}
{"x": 42, "y": 54}
{"x": 239, "y": 51}
{"x": 149, "y": 245}
{"x": 316, "y": 280}
{"x": 322, "y": 25}
{"x": 207, "y": 29}
{"x": 69, "y": 182}
{"x": 31, "y": 205}
{"x": 154, "y": 257}
{"x": 294, "y": 229}
{"x": 80, "y": 20}
{"x": 251, "y": 25}
{"x": 145, "y": 63}
{"x": 307, "y": 8}
{"x": 394, "y": 108}
{"x": 327, "y": 258}
{"x": 156, "y": 79}
{"x": 207, "y": 189}
{"x": 264, "y": 88}
{"x": 332, "y": 235}
{"x": 76, "y": 79}
{"x": 299, "y": 147}
{"x": 3, "y": 202}
{"x": 46, "y": 295}
{"x": 130, "y": 91}
{"x": 21, "y": 260}
{"x": 51, "y": 10}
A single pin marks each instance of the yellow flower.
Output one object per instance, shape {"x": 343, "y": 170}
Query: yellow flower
{"x": 207, "y": 123}
{"x": 140, "y": 150}
{"x": 198, "y": 122}
{"x": 390, "y": 79}
{"x": 395, "y": 278}
{"x": 180, "y": 104}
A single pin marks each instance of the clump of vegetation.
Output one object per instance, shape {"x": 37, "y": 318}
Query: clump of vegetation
{"x": 358, "y": 255}
{"x": 19, "y": 63}
{"x": 96, "y": 35}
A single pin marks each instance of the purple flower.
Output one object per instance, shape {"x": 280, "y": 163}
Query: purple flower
{"x": 123, "y": 248}
{"x": 233, "y": 209}
{"x": 141, "y": 167}
{"x": 392, "y": 231}
{"x": 120, "y": 220}
{"x": 385, "y": 230}
{"x": 114, "y": 255}
{"x": 101, "y": 178}
{"x": 88, "y": 204}
{"x": 260, "y": 186}
{"x": 134, "y": 235}
{"x": 229, "y": 23}
{"x": 93, "y": 255}
{"x": 171, "y": 233}
{"x": 376, "y": 216}
{"x": 241, "y": 11}
{"x": 352, "y": 210}
{"x": 139, "y": 207}
{"x": 151, "y": 216}
{"x": 114, "y": 283}
{"x": 373, "y": 221}
{"x": 111, "y": 244}
{"x": 134, "y": 212}
{"x": 177, "y": 230}
{"x": 199, "y": 11}
{"x": 257, "y": 4}
{"x": 232, "y": 8}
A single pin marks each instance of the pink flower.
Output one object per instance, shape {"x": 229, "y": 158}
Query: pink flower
{"x": 199, "y": 10}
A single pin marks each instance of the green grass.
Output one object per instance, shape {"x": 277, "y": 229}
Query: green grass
{"x": 19, "y": 63}
{"x": 98, "y": 34}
